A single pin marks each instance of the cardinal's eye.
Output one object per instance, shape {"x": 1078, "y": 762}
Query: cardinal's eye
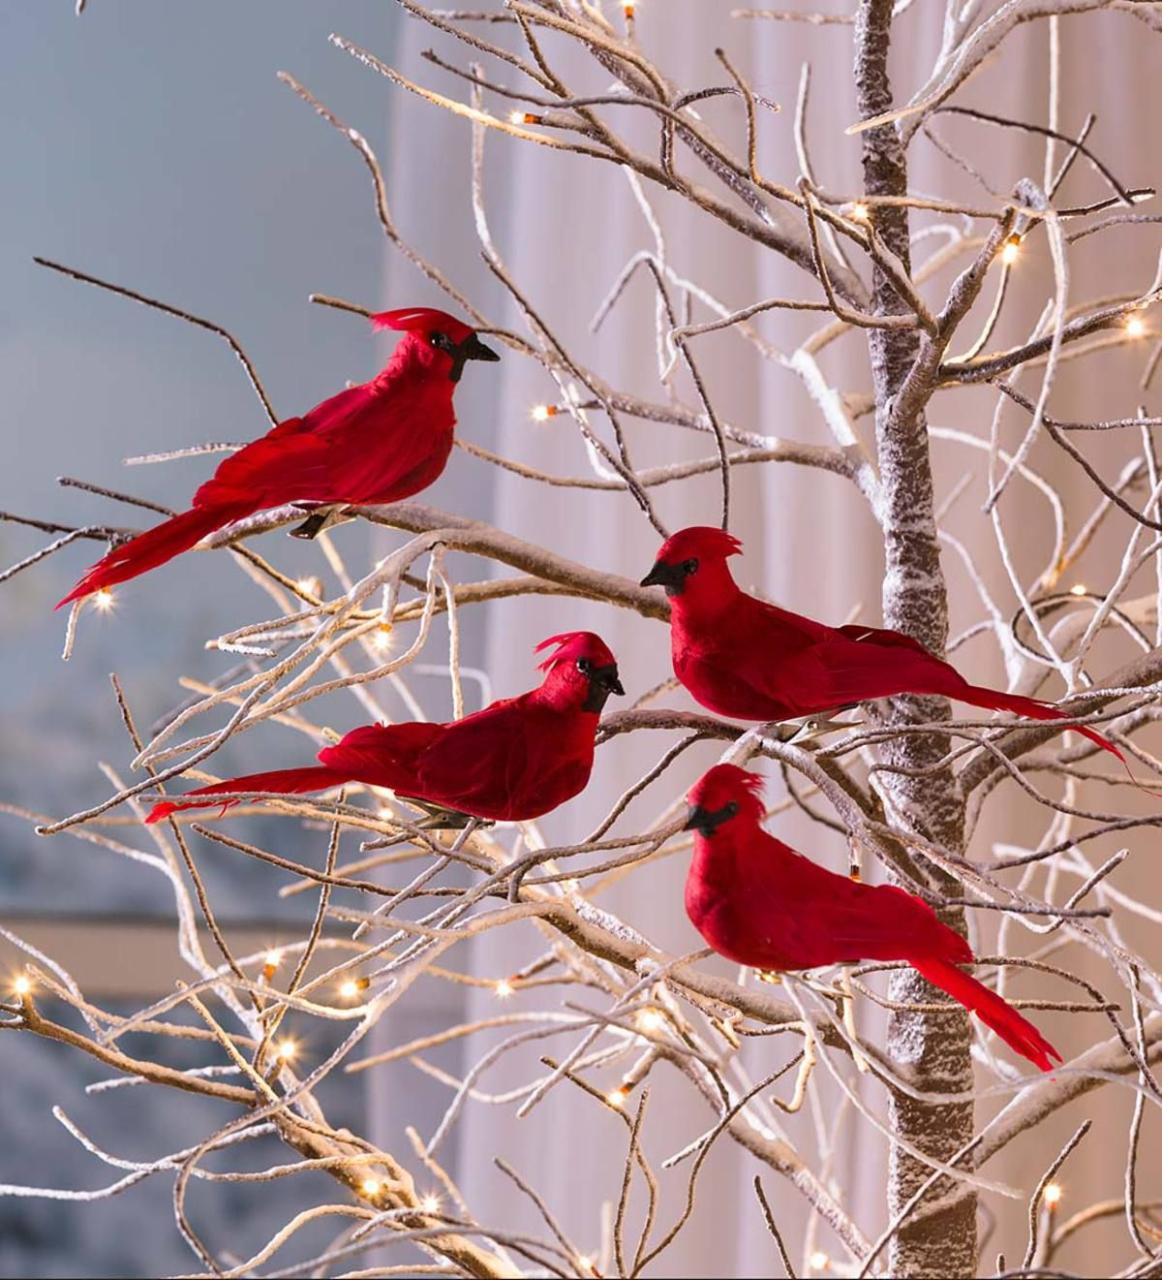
{"x": 440, "y": 340}
{"x": 731, "y": 809}
{"x": 689, "y": 566}
{"x": 584, "y": 666}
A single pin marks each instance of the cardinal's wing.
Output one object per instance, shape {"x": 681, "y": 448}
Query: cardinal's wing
{"x": 814, "y": 917}
{"x": 765, "y": 654}
{"x": 856, "y": 664}
{"x": 295, "y": 460}
{"x": 380, "y": 751}
{"x": 481, "y": 762}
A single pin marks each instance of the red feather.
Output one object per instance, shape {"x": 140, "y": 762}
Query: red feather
{"x": 379, "y": 442}
{"x": 761, "y": 904}
{"x": 516, "y": 760}
{"x": 742, "y": 657}
{"x": 149, "y": 549}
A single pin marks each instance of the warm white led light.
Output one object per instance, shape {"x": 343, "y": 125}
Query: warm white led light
{"x": 651, "y": 1020}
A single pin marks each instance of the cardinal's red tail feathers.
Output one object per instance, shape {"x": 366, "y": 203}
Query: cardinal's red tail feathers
{"x": 1013, "y": 1028}
{"x": 287, "y": 781}
{"x": 153, "y": 547}
{"x": 995, "y": 700}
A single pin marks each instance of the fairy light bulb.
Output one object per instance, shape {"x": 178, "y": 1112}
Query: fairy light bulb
{"x": 1011, "y": 250}
{"x": 524, "y": 117}
{"x": 1135, "y": 327}
{"x": 22, "y": 987}
{"x": 286, "y": 1050}
{"x": 819, "y": 1261}
{"x": 1053, "y": 1194}
{"x": 629, "y": 8}
{"x": 1078, "y": 589}
{"x": 430, "y": 1203}
{"x": 103, "y": 600}
{"x": 350, "y": 988}
{"x": 586, "y": 1263}
{"x": 309, "y": 586}
{"x": 859, "y": 212}
{"x": 382, "y": 638}
{"x": 503, "y": 989}
{"x": 543, "y": 412}
{"x": 616, "y": 1097}
{"x": 651, "y": 1020}
{"x": 370, "y": 1187}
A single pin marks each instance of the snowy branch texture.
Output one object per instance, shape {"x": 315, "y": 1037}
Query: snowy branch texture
{"x": 606, "y": 1011}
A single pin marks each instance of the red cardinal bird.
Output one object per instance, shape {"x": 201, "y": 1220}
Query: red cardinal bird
{"x": 742, "y": 657}
{"x": 759, "y": 903}
{"x": 515, "y": 760}
{"x": 378, "y": 442}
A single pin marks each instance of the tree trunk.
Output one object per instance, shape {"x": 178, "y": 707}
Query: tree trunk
{"x": 932, "y": 1050}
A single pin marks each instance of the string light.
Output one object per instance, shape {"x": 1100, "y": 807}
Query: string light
{"x": 1135, "y": 327}
{"x": 819, "y": 1261}
{"x": 382, "y": 638}
{"x": 370, "y": 1187}
{"x": 1053, "y": 1194}
{"x": 22, "y": 987}
{"x": 1011, "y": 250}
{"x": 103, "y": 600}
{"x": 543, "y": 412}
{"x": 286, "y": 1050}
{"x": 586, "y": 1262}
{"x": 270, "y": 963}
{"x": 309, "y": 586}
{"x": 1078, "y": 589}
{"x": 629, "y": 8}
{"x": 351, "y": 987}
{"x": 859, "y": 212}
{"x": 430, "y": 1203}
{"x": 616, "y": 1097}
{"x": 651, "y": 1020}
{"x": 503, "y": 989}
{"x": 524, "y": 117}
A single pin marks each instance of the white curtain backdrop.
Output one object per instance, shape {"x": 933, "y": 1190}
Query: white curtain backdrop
{"x": 566, "y": 227}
